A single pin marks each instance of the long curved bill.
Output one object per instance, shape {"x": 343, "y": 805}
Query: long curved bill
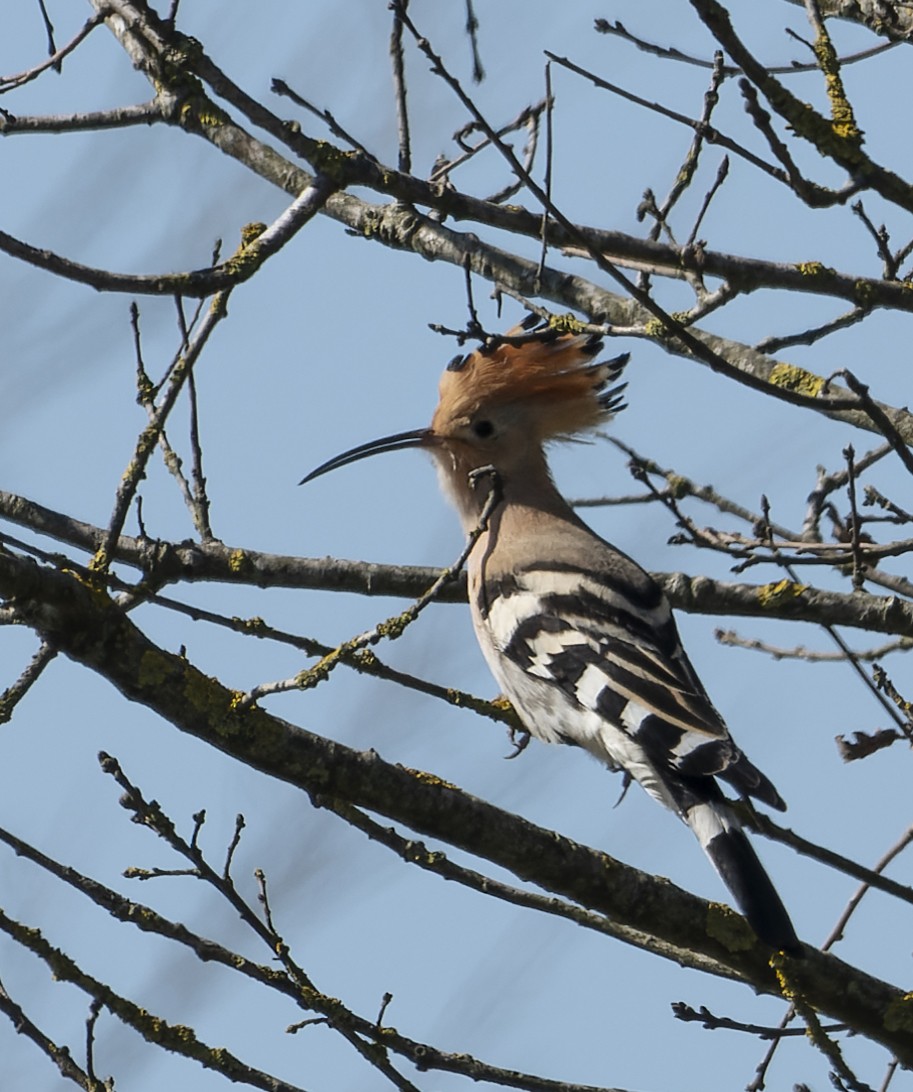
{"x": 418, "y": 437}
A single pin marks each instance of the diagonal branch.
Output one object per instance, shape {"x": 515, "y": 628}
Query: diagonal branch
{"x": 836, "y": 138}
{"x": 90, "y": 628}
{"x": 304, "y": 995}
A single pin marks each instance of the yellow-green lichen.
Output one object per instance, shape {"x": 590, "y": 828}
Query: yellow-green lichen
{"x": 418, "y": 853}
{"x": 311, "y": 676}
{"x": 143, "y": 916}
{"x": 394, "y": 627}
{"x": 94, "y": 579}
{"x": 566, "y": 324}
{"x": 778, "y": 964}
{"x": 154, "y": 669}
{"x": 775, "y": 594}
{"x": 842, "y": 119}
{"x": 725, "y": 926}
{"x": 158, "y": 1030}
{"x": 255, "y": 626}
{"x": 793, "y": 378}
{"x": 815, "y": 269}
{"x": 899, "y": 1014}
{"x": 243, "y": 264}
{"x": 678, "y": 486}
{"x": 864, "y": 294}
{"x": 238, "y": 561}
{"x": 656, "y": 329}
{"x": 100, "y": 561}
{"x": 145, "y": 390}
{"x": 198, "y": 112}
{"x": 428, "y": 778}
{"x": 252, "y": 231}
{"x": 327, "y": 159}
{"x": 206, "y": 697}
{"x": 456, "y": 697}
{"x": 184, "y": 55}
{"x": 238, "y": 700}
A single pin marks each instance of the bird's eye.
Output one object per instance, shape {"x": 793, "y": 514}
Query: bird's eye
{"x": 483, "y": 429}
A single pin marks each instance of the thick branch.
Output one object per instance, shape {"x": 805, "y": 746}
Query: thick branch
{"x": 892, "y": 21}
{"x": 166, "y": 563}
{"x": 90, "y": 628}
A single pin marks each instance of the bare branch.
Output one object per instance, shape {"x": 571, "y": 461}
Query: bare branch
{"x": 7, "y": 83}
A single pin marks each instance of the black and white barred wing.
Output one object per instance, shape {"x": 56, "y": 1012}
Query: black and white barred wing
{"x": 570, "y": 642}
{"x": 591, "y": 660}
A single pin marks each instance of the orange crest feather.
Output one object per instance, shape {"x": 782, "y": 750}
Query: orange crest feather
{"x": 553, "y": 375}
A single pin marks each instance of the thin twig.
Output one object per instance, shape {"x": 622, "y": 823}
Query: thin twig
{"x": 232, "y": 846}
{"x": 709, "y": 134}
{"x": 149, "y": 437}
{"x": 811, "y": 334}
{"x": 603, "y": 26}
{"x": 14, "y": 693}
{"x": 836, "y": 934}
{"x": 59, "y": 1055}
{"x": 547, "y": 181}
{"x": 764, "y": 825}
{"x": 722, "y": 172}
{"x": 711, "y": 1022}
{"x": 858, "y": 567}
{"x": 49, "y": 27}
{"x": 280, "y": 87}
{"x": 890, "y": 262}
{"x": 899, "y": 846}
{"x": 528, "y": 118}
{"x": 419, "y": 1054}
{"x": 800, "y": 652}
{"x": 672, "y": 328}
{"x": 879, "y": 418}
{"x": 95, "y": 1008}
{"x": 417, "y": 853}
{"x": 7, "y": 83}
{"x": 144, "y": 113}
{"x": 393, "y": 627}
{"x": 472, "y": 27}
{"x": 399, "y": 86}
{"x": 198, "y": 480}
{"x": 838, "y": 640}
{"x": 686, "y": 173}
{"x": 178, "y": 1038}
{"x": 829, "y": 483}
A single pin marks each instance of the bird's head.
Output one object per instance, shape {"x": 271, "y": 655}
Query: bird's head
{"x": 501, "y": 403}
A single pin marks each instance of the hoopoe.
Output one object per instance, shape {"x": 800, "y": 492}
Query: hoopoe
{"x": 580, "y": 638}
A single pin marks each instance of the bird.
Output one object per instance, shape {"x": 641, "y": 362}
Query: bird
{"x": 579, "y": 637}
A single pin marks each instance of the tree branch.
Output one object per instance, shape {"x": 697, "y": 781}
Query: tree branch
{"x": 168, "y": 563}
{"x": 90, "y": 628}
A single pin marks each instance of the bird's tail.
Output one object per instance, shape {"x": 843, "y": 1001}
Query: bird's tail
{"x": 731, "y": 854}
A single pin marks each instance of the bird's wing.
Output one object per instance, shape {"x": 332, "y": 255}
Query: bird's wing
{"x": 613, "y": 655}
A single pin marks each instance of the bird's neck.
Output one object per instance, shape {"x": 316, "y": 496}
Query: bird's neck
{"x": 524, "y": 491}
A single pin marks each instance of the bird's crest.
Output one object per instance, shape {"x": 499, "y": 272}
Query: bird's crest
{"x": 552, "y": 374}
